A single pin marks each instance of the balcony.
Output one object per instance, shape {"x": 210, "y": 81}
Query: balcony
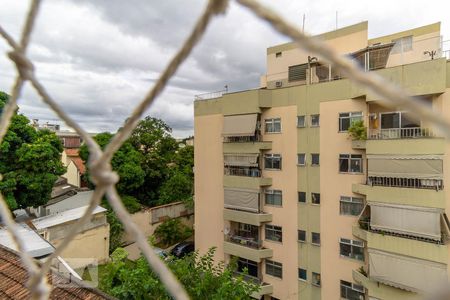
{"x": 245, "y": 144}
{"x": 244, "y": 177}
{"x": 246, "y": 248}
{"x": 242, "y": 171}
{"x": 401, "y": 196}
{"x": 401, "y": 133}
{"x": 265, "y": 288}
{"x": 413, "y": 183}
{"x": 252, "y": 218}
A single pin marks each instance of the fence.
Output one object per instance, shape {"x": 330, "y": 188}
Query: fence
{"x": 400, "y": 133}
{"x": 99, "y": 163}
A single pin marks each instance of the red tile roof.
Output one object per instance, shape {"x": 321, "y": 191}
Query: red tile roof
{"x": 79, "y": 164}
{"x": 14, "y": 276}
{"x": 71, "y": 152}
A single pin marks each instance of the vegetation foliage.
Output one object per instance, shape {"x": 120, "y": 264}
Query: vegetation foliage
{"x": 30, "y": 162}
{"x": 358, "y": 131}
{"x": 201, "y": 277}
{"x": 172, "y": 231}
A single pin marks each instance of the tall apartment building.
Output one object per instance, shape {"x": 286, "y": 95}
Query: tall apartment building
{"x": 310, "y": 213}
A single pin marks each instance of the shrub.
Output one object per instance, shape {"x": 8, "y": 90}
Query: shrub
{"x": 358, "y": 131}
{"x": 131, "y": 204}
{"x": 172, "y": 231}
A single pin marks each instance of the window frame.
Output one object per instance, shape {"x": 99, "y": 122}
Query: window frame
{"x": 318, "y": 120}
{"x": 318, "y": 159}
{"x": 353, "y": 244}
{"x": 350, "y": 200}
{"x": 298, "y": 197}
{"x": 305, "y": 272}
{"x": 298, "y": 235}
{"x": 317, "y": 234}
{"x": 351, "y": 157}
{"x": 274, "y": 265}
{"x": 275, "y": 230}
{"x": 303, "y": 125}
{"x": 314, "y": 280}
{"x": 314, "y": 197}
{"x": 352, "y": 286}
{"x": 272, "y": 156}
{"x": 304, "y": 159}
{"x": 278, "y": 54}
{"x": 353, "y": 116}
{"x": 270, "y": 124}
{"x": 273, "y": 193}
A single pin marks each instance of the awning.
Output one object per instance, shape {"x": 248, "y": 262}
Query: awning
{"x": 406, "y": 273}
{"x": 410, "y": 220}
{"x": 239, "y": 125}
{"x": 405, "y": 167}
{"x": 243, "y": 199}
{"x": 240, "y": 160}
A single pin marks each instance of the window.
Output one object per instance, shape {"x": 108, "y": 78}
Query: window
{"x": 315, "y": 120}
{"x": 350, "y": 163}
{"x": 273, "y": 197}
{"x": 298, "y": 72}
{"x": 347, "y": 119}
{"x": 301, "y": 121}
{"x": 302, "y": 274}
{"x": 250, "y": 265}
{"x": 315, "y": 159}
{"x": 403, "y": 44}
{"x": 302, "y": 197}
{"x": 272, "y": 125}
{"x": 274, "y": 268}
{"x": 398, "y": 120}
{"x": 351, "y": 291}
{"x": 301, "y": 159}
{"x": 315, "y": 238}
{"x": 278, "y": 54}
{"x": 272, "y": 161}
{"x": 301, "y": 235}
{"x": 315, "y": 198}
{"x": 316, "y": 279}
{"x": 351, "y": 206}
{"x": 274, "y": 233}
{"x": 352, "y": 249}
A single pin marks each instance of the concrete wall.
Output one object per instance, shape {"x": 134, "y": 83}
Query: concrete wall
{"x": 333, "y": 184}
{"x": 148, "y": 220}
{"x": 209, "y": 203}
{"x": 286, "y": 216}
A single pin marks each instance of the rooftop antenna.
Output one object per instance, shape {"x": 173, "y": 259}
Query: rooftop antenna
{"x": 303, "y": 26}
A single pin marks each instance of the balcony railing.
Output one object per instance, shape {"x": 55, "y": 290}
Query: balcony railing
{"x": 251, "y": 242}
{"x": 249, "y": 278}
{"x": 400, "y": 133}
{"x": 239, "y": 171}
{"x": 243, "y": 139}
{"x": 431, "y": 184}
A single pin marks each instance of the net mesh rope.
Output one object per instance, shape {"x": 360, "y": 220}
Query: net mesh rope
{"x": 100, "y": 161}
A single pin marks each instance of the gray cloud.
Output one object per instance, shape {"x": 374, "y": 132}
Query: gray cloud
{"x": 98, "y": 58}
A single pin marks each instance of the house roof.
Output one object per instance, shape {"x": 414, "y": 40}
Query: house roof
{"x": 63, "y": 217}
{"x": 72, "y": 151}
{"x": 14, "y": 277}
{"x": 35, "y": 245}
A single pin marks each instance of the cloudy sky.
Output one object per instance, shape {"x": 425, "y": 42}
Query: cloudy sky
{"x": 99, "y": 57}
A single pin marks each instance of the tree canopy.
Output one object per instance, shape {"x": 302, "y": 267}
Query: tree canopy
{"x": 201, "y": 277}
{"x": 30, "y": 162}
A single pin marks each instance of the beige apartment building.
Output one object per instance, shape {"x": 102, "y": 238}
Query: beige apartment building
{"x": 310, "y": 213}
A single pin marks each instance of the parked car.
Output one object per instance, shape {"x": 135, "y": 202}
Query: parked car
{"x": 183, "y": 249}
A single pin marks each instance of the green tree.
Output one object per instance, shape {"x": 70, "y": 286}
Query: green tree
{"x": 127, "y": 162}
{"x": 153, "y": 139}
{"x": 30, "y": 162}
{"x": 172, "y": 231}
{"x": 201, "y": 277}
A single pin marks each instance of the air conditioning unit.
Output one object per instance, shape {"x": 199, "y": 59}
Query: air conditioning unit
{"x": 279, "y": 84}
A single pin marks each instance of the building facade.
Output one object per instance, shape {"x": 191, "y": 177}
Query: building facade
{"x": 310, "y": 213}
